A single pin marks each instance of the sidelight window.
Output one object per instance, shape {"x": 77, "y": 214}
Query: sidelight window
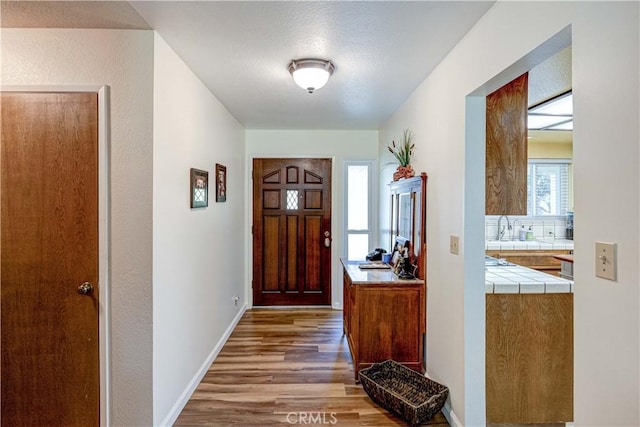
{"x": 358, "y": 203}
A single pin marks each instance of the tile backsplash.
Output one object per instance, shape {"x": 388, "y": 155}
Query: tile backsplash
{"x": 548, "y": 229}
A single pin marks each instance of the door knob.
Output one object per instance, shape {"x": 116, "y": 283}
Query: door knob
{"x": 85, "y": 289}
{"x": 327, "y": 239}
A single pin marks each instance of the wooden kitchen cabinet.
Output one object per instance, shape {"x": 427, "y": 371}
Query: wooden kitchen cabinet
{"x": 529, "y": 358}
{"x": 542, "y": 260}
{"x": 384, "y": 317}
{"x": 506, "y": 149}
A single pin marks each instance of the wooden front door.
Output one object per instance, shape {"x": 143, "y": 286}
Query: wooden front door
{"x": 292, "y": 231}
{"x": 48, "y": 250}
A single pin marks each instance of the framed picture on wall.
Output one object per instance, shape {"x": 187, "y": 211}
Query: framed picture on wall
{"x": 221, "y": 183}
{"x": 199, "y": 188}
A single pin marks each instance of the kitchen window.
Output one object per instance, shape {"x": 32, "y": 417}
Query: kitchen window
{"x": 549, "y": 187}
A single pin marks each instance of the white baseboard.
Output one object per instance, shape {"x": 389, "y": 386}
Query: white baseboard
{"x": 450, "y": 415}
{"x": 173, "y": 414}
{"x": 289, "y": 307}
{"x": 447, "y": 411}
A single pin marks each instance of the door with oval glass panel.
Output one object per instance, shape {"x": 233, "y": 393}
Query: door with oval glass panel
{"x": 291, "y": 232}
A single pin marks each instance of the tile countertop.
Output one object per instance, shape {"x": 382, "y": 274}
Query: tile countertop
{"x": 528, "y": 244}
{"x": 516, "y": 279}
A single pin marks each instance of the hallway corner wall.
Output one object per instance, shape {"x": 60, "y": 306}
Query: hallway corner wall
{"x": 198, "y": 254}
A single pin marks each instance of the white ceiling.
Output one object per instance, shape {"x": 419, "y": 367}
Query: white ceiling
{"x": 551, "y": 77}
{"x": 382, "y": 50}
{"x": 70, "y": 14}
{"x": 547, "y": 80}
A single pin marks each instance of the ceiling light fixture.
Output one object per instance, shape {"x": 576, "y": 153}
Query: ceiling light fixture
{"x": 311, "y": 74}
{"x": 553, "y": 114}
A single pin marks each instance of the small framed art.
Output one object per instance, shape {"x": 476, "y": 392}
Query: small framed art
{"x": 221, "y": 183}
{"x": 199, "y": 188}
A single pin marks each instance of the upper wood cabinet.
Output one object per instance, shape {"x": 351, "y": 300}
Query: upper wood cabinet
{"x": 408, "y": 215}
{"x": 506, "y": 139}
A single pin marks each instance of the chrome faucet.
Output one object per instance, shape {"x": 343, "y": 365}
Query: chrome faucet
{"x": 501, "y": 230}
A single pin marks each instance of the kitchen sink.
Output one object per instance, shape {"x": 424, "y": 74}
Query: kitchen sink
{"x": 491, "y": 261}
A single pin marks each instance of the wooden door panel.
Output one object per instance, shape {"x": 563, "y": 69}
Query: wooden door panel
{"x": 49, "y": 246}
{"x": 406, "y": 334}
{"x": 292, "y": 252}
{"x": 313, "y": 199}
{"x": 271, "y": 199}
{"x": 313, "y": 233}
{"x": 292, "y": 174}
{"x": 393, "y": 335}
{"x": 291, "y": 264}
{"x": 271, "y": 239}
{"x": 312, "y": 178}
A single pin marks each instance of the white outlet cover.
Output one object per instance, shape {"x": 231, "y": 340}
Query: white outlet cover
{"x": 454, "y": 245}
{"x": 606, "y": 260}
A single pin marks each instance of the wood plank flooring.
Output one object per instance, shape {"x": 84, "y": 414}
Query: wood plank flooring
{"x": 285, "y": 367}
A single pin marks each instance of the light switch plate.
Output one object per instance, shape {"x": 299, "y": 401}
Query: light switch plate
{"x": 453, "y": 245}
{"x": 606, "y": 260}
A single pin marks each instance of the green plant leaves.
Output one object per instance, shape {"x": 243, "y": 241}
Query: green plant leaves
{"x": 403, "y": 151}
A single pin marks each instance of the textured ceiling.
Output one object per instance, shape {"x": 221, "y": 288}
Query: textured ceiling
{"x": 70, "y": 14}
{"x": 382, "y": 50}
{"x": 547, "y": 80}
{"x": 551, "y": 78}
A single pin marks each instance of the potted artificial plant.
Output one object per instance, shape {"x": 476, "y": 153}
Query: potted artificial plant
{"x": 403, "y": 152}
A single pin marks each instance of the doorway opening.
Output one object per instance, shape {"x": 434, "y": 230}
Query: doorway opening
{"x": 474, "y": 224}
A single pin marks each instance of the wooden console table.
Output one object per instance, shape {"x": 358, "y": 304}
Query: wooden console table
{"x": 384, "y": 317}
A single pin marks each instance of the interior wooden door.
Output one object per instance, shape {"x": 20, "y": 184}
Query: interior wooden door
{"x": 49, "y": 259}
{"x": 292, "y": 231}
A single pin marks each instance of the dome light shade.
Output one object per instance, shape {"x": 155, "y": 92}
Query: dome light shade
{"x": 311, "y": 74}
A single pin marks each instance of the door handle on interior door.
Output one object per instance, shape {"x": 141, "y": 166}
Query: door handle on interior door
{"x": 327, "y": 239}
{"x": 85, "y": 289}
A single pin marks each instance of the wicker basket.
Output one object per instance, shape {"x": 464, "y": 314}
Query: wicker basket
{"x": 403, "y": 392}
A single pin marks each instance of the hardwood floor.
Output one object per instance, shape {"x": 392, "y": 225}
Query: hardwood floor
{"x": 285, "y": 367}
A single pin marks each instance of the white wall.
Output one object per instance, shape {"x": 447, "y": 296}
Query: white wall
{"x": 449, "y": 137}
{"x": 122, "y": 59}
{"x": 336, "y": 144}
{"x": 198, "y": 264}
